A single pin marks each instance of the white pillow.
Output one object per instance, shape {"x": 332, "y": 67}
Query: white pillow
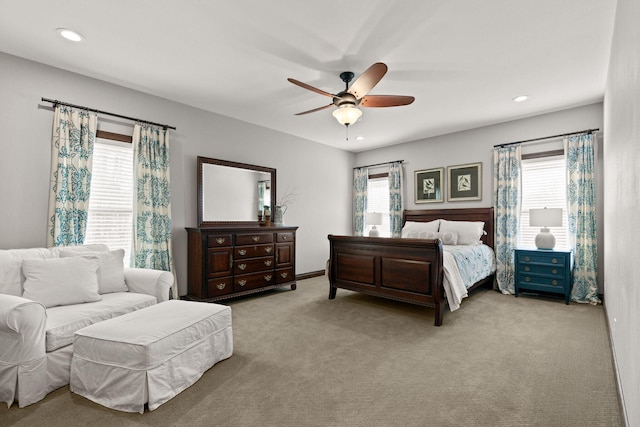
{"x": 469, "y": 232}
{"x": 61, "y": 281}
{"x": 110, "y": 268}
{"x": 418, "y": 230}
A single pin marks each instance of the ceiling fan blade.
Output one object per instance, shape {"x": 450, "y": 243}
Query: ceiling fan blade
{"x": 385, "y": 100}
{"x": 315, "y": 109}
{"x": 368, "y": 80}
{"x": 311, "y": 88}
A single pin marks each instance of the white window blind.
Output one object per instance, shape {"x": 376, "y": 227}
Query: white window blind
{"x": 378, "y": 201}
{"x": 110, "y": 219}
{"x": 544, "y": 184}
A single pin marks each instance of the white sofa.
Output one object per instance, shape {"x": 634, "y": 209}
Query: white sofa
{"x": 39, "y": 314}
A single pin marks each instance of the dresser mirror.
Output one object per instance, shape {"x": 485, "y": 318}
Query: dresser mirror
{"x": 233, "y": 193}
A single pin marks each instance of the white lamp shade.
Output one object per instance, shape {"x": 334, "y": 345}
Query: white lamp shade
{"x": 347, "y": 114}
{"x": 374, "y": 218}
{"x": 545, "y": 217}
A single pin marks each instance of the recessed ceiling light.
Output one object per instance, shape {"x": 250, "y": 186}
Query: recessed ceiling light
{"x": 68, "y": 34}
{"x": 520, "y": 98}
{"x": 359, "y": 138}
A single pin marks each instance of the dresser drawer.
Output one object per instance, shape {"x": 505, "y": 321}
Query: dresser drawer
{"x": 284, "y": 237}
{"x": 245, "y": 266}
{"x": 217, "y": 240}
{"x": 253, "y": 251}
{"x": 254, "y": 238}
{"x": 245, "y": 282}
{"x": 541, "y": 258}
{"x": 217, "y": 287}
{"x": 284, "y": 275}
{"x": 529, "y": 280}
{"x": 548, "y": 270}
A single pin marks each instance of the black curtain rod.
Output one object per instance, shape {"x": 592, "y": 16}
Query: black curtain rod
{"x": 55, "y": 102}
{"x": 378, "y": 164}
{"x": 546, "y": 137}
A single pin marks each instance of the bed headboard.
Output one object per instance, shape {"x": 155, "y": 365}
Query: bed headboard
{"x": 472, "y": 214}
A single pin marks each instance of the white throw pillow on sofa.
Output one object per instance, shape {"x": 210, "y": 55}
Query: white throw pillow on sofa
{"x": 469, "y": 232}
{"x": 419, "y": 230}
{"x": 110, "y": 268}
{"x": 61, "y": 281}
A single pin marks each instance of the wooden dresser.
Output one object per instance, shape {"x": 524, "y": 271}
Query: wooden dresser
{"x": 543, "y": 270}
{"x": 229, "y": 261}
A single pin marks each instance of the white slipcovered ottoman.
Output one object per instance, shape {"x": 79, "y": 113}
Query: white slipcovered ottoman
{"x": 149, "y": 355}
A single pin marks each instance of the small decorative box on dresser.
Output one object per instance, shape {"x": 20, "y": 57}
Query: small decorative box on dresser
{"x": 543, "y": 270}
{"x": 229, "y": 261}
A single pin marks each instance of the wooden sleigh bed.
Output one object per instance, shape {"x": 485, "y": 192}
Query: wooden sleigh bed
{"x": 408, "y": 270}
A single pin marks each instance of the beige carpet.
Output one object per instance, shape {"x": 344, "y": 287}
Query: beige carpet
{"x": 303, "y": 360}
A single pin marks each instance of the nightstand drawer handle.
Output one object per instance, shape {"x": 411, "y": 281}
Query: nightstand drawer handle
{"x": 526, "y": 258}
{"x": 242, "y": 282}
{"x": 554, "y": 282}
{"x": 221, "y": 286}
{"x": 527, "y": 268}
{"x": 554, "y": 271}
{"x": 220, "y": 240}
{"x": 555, "y": 260}
{"x": 527, "y": 279}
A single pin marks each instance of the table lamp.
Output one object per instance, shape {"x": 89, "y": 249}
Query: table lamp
{"x": 545, "y": 218}
{"x": 374, "y": 218}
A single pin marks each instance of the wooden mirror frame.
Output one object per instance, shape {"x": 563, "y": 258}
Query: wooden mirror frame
{"x": 205, "y": 161}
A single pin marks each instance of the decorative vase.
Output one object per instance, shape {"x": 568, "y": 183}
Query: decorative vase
{"x": 278, "y": 216}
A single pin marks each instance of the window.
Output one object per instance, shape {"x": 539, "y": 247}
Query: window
{"x": 110, "y": 217}
{"x": 378, "y": 201}
{"x": 544, "y": 184}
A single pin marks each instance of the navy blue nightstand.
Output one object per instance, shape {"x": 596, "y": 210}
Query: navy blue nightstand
{"x": 544, "y": 271}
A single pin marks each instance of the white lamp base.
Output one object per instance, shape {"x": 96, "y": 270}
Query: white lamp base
{"x": 545, "y": 240}
{"x": 374, "y": 232}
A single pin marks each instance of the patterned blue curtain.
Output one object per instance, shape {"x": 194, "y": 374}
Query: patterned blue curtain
{"x": 581, "y": 204}
{"x": 395, "y": 199}
{"x": 73, "y": 137}
{"x": 360, "y": 177}
{"x": 507, "y": 196}
{"x": 152, "y": 207}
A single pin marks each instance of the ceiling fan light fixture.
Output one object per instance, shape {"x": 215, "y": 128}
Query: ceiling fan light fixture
{"x": 347, "y": 114}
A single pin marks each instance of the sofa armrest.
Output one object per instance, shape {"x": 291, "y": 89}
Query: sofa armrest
{"x": 23, "y": 369}
{"x": 148, "y": 281}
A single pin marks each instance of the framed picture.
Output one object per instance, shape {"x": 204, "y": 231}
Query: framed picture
{"x": 465, "y": 182}
{"x": 428, "y": 185}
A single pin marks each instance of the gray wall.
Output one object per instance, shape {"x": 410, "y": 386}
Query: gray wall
{"x": 622, "y": 203}
{"x": 26, "y": 122}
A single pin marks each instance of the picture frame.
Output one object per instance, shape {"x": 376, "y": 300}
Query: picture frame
{"x": 465, "y": 182}
{"x": 428, "y": 185}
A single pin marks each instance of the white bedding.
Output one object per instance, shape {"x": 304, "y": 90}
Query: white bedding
{"x": 464, "y": 266}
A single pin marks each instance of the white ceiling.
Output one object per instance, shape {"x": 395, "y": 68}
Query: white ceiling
{"x": 463, "y": 60}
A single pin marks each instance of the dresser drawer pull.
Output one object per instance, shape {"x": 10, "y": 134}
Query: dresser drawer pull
{"x": 527, "y": 279}
{"x": 267, "y": 277}
{"x": 284, "y": 275}
{"x": 242, "y": 266}
{"x": 221, "y": 286}
{"x": 242, "y": 282}
{"x": 220, "y": 240}
{"x": 285, "y": 236}
{"x": 267, "y": 262}
{"x": 268, "y": 249}
{"x": 554, "y": 282}
{"x": 527, "y": 268}
{"x": 555, "y": 260}
{"x": 255, "y": 238}
{"x": 242, "y": 251}
{"x": 526, "y": 259}
{"x": 554, "y": 271}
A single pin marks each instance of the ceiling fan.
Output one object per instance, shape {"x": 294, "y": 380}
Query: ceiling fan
{"x": 348, "y": 101}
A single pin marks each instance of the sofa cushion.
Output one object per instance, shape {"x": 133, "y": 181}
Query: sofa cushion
{"x": 61, "y": 281}
{"x": 63, "y": 321}
{"x": 110, "y": 268}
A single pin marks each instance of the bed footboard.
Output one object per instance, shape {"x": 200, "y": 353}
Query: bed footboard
{"x": 408, "y": 270}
